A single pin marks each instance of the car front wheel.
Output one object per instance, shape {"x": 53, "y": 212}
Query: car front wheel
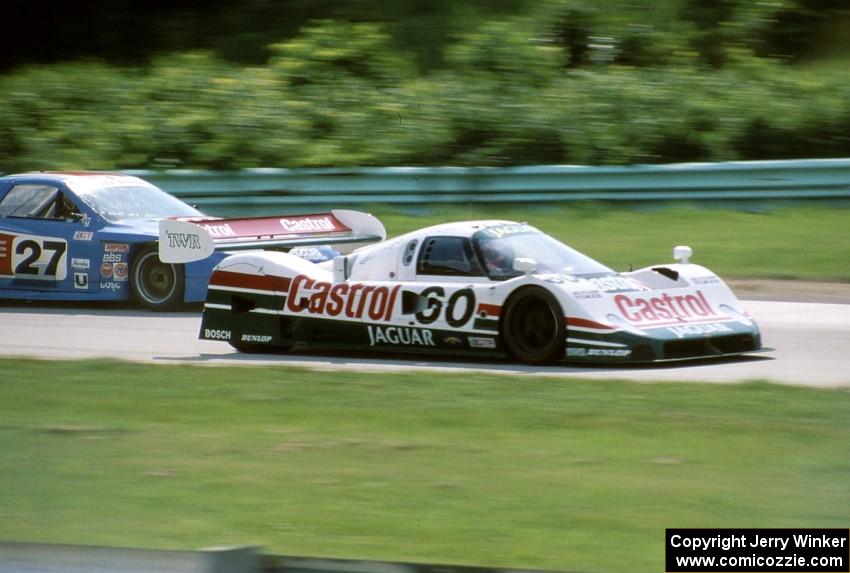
{"x": 156, "y": 285}
{"x": 533, "y": 326}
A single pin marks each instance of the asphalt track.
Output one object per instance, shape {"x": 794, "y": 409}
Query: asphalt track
{"x": 811, "y": 343}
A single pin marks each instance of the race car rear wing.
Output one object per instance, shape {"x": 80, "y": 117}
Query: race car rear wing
{"x": 187, "y": 240}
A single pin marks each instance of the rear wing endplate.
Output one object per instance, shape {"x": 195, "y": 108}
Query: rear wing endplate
{"x": 184, "y": 241}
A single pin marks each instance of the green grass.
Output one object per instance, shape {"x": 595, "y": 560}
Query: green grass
{"x": 456, "y": 468}
{"x": 810, "y": 242}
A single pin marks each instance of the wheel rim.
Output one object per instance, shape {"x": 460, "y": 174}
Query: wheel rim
{"x": 534, "y": 326}
{"x": 157, "y": 280}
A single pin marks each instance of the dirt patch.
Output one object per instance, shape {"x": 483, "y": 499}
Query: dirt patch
{"x": 791, "y": 290}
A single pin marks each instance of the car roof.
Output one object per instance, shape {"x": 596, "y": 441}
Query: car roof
{"x": 58, "y": 175}
{"x": 80, "y": 181}
{"x": 465, "y": 229}
{"x": 462, "y": 228}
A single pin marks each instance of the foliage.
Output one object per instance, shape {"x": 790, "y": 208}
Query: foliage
{"x": 561, "y": 82}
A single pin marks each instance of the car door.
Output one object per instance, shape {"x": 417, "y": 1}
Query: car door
{"x": 46, "y": 240}
{"x": 447, "y": 273}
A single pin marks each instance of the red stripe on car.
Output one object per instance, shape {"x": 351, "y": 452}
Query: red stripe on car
{"x": 490, "y": 309}
{"x": 254, "y": 282}
{"x": 584, "y": 323}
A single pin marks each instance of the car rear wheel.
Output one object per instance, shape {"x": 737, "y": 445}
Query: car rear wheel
{"x": 533, "y": 326}
{"x": 156, "y": 285}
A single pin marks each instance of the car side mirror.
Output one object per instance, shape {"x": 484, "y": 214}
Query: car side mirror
{"x": 682, "y": 253}
{"x": 524, "y": 265}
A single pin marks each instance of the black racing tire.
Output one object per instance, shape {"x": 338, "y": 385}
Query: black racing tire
{"x": 533, "y": 326}
{"x": 156, "y": 285}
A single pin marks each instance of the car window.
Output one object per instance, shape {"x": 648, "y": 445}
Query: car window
{"x": 29, "y": 200}
{"x": 448, "y": 256}
{"x": 501, "y": 245}
{"x": 126, "y": 202}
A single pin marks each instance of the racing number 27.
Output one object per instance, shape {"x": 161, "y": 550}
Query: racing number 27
{"x": 32, "y": 251}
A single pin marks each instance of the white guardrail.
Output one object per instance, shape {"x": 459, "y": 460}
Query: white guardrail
{"x": 257, "y": 190}
{"x": 21, "y": 557}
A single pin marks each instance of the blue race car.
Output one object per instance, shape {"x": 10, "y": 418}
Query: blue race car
{"x": 96, "y": 236}
{"x": 91, "y": 236}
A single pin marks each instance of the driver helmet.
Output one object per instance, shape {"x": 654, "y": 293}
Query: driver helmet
{"x": 495, "y": 258}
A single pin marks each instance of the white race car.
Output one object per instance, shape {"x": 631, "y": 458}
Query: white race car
{"x": 472, "y": 287}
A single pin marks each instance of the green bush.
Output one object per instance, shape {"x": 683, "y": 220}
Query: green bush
{"x": 511, "y": 92}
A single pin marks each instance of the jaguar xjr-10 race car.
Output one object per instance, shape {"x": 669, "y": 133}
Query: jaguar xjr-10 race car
{"x": 476, "y": 287}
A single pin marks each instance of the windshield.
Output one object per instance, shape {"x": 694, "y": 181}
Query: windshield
{"x": 120, "y": 203}
{"x": 499, "y": 246}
